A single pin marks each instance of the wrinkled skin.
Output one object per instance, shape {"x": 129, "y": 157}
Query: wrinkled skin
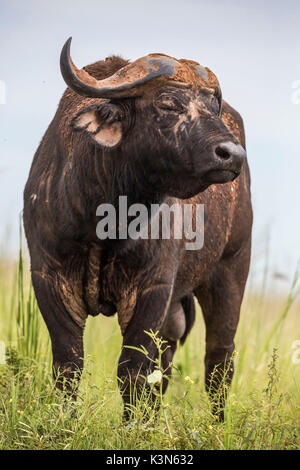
{"x": 157, "y": 148}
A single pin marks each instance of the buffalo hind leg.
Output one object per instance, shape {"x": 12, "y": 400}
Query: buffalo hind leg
{"x": 220, "y": 300}
{"x": 178, "y": 325}
{"x": 66, "y": 335}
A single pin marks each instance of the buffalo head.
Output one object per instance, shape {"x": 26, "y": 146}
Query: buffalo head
{"x": 164, "y": 115}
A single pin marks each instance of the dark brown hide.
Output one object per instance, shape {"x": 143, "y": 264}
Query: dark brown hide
{"x": 157, "y": 148}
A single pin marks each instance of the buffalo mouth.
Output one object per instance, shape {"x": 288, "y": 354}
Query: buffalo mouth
{"x": 221, "y": 176}
{"x": 197, "y": 185}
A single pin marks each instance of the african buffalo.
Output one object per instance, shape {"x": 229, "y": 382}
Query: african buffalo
{"x": 156, "y": 131}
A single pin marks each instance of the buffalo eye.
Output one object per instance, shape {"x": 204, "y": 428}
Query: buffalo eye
{"x": 218, "y": 97}
{"x": 215, "y": 103}
{"x": 169, "y": 103}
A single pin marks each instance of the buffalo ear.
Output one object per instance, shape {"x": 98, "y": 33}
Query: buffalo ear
{"x": 102, "y": 123}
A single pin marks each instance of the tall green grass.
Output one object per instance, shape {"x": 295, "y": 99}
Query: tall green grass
{"x": 262, "y": 411}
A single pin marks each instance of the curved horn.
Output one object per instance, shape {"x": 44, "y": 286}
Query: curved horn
{"x": 126, "y": 82}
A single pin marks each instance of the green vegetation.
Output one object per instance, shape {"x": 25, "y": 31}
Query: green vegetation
{"x": 262, "y": 411}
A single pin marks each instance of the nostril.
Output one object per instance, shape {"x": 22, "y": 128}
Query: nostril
{"x": 222, "y": 153}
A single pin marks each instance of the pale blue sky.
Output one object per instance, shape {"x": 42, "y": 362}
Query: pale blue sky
{"x": 253, "y": 47}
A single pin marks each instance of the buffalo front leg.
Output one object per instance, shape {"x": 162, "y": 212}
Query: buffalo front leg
{"x": 66, "y": 332}
{"x": 220, "y": 300}
{"x": 134, "y": 366}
